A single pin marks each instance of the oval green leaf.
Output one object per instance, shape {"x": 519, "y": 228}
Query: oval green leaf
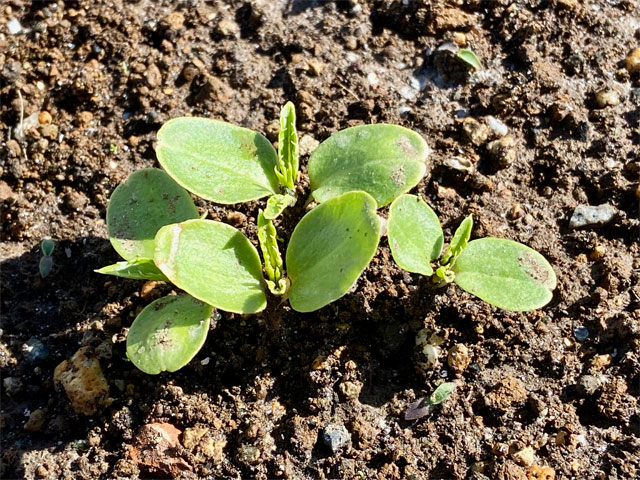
{"x": 382, "y": 160}
{"x": 330, "y": 248}
{"x": 213, "y": 262}
{"x": 168, "y": 333}
{"x": 216, "y": 160}
{"x": 505, "y": 273}
{"x": 141, "y": 269}
{"x": 414, "y": 233}
{"x": 148, "y": 200}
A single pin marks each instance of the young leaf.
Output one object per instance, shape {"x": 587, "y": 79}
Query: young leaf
{"x": 467, "y": 56}
{"x": 141, "y": 269}
{"x": 148, "y": 200}
{"x": 287, "y": 169}
{"x": 415, "y": 235}
{"x": 382, "y": 160}
{"x": 330, "y": 248}
{"x": 216, "y": 160}
{"x": 168, "y": 333}
{"x": 276, "y": 205}
{"x": 47, "y": 245}
{"x": 459, "y": 241}
{"x": 271, "y": 254}
{"x": 441, "y": 393}
{"x": 505, "y": 273}
{"x": 213, "y": 262}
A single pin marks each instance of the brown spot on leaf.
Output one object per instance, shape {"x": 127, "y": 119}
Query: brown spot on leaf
{"x": 533, "y": 268}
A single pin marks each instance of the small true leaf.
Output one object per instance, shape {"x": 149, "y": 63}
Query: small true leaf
{"x": 287, "y": 169}
{"x": 330, "y": 248}
{"x": 271, "y": 254}
{"x": 276, "y": 205}
{"x": 505, "y": 273}
{"x": 213, "y": 262}
{"x": 168, "y": 333}
{"x": 441, "y": 393}
{"x": 382, "y": 160}
{"x": 47, "y": 245}
{"x": 141, "y": 269}
{"x": 46, "y": 265}
{"x": 467, "y": 56}
{"x": 148, "y": 200}
{"x": 459, "y": 241}
{"x": 414, "y": 233}
{"x": 216, "y": 160}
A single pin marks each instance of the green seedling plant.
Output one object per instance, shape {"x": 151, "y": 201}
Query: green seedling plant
{"x": 153, "y": 224}
{"x": 503, "y": 273}
{"x": 46, "y": 261}
{"x": 424, "y": 406}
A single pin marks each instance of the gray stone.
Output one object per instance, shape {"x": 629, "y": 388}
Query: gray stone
{"x": 589, "y": 216}
{"x": 589, "y": 384}
{"x": 336, "y": 437}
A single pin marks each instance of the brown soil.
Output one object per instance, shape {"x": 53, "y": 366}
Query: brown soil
{"x": 538, "y": 398}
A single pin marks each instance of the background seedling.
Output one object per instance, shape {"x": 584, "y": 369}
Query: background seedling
{"x": 424, "y": 406}
{"x": 467, "y": 56}
{"x": 46, "y": 261}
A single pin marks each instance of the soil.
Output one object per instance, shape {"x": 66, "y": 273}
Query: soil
{"x": 544, "y": 394}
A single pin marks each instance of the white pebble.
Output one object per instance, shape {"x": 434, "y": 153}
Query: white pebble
{"x": 497, "y": 126}
{"x": 14, "y": 26}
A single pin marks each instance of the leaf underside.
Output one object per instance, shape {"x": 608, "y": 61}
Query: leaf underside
{"x": 414, "y": 233}
{"x": 216, "y": 160}
{"x": 330, "y": 248}
{"x": 168, "y": 333}
{"x": 148, "y": 200}
{"x": 140, "y": 269}
{"x": 213, "y": 262}
{"x": 382, "y": 160}
{"x": 505, "y": 273}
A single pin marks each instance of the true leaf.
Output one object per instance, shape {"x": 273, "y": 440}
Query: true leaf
{"x": 271, "y": 254}
{"x": 414, "y": 233}
{"x": 459, "y": 241}
{"x": 330, "y": 248}
{"x": 168, "y": 333}
{"x": 213, "y": 262}
{"x": 142, "y": 269}
{"x": 505, "y": 273}
{"x": 148, "y": 200}
{"x": 441, "y": 393}
{"x": 276, "y": 205}
{"x": 382, "y": 160}
{"x": 287, "y": 169}
{"x": 216, "y": 160}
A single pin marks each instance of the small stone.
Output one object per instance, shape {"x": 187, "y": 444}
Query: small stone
{"x": 350, "y": 390}
{"x": 632, "y": 62}
{"x": 189, "y": 72}
{"x": 148, "y": 288}
{"x": 14, "y": 26}
{"x": 308, "y": 144}
{"x": 315, "y": 67}
{"x": 598, "y": 252}
{"x": 474, "y": 130}
{"x": 600, "y": 362}
{"x": 502, "y": 151}
{"x": 236, "y": 218}
{"x": 336, "y": 437}
{"x": 461, "y": 164}
{"x": 227, "y": 27}
{"x": 567, "y": 4}
{"x": 507, "y": 392}
{"x": 49, "y": 131}
{"x": 497, "y": 126}
{"x": 590, "y": 216}
{"x": 581, "y": 333}
{"x": 36, "y": 420}
{"x": 459, "y": 39}
{"x": 76, "y": 200}
{"x": 174, "y": 20}
{"x": 589, "y": 384}
{"x": 85, "y": 118}
{"x": 44, "y": 118}
{"x": 214, "y": 89}
{"x": 42, "y": 471}
{"x": 153, "y": 76}
{"x": 523, "y": 457}
{"x": 541, "y": 473}
{"x": 458, "y": 358}
{"x": 35, "y": 351}
{"x": 607, "y": 98}
{"x": 516, "y": 211}
{"x": 499, "y": 448}
{"x": 12, "y": 385}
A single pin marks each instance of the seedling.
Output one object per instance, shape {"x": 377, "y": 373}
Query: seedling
{"x": 154, "y": 225}
{"x": 501, "y": 272}
{"x": 467, "y": 56}
{"x": 46, "y": 261}
{"x": 424, "y": 406}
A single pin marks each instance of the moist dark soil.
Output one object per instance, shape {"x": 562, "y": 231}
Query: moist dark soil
{"x": 551, "y": 122}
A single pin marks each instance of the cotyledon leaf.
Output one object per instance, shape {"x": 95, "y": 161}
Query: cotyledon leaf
{"x": 216, "y": 160}
{"x": 414, "y": 233}
{"x": 141, "y": 269}
{"x": 330, "y": 248}
{"x": 213, "y": 262}
{"x": 505, "y": 273}
{"x": 146, "y": 201}
{"x": 383, "y": 160}
{"x": 168, "y": 333}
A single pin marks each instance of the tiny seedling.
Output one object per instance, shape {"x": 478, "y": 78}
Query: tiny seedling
{"x": 424, "y": 406}
{"x": 467, "y": 56}
{"x": 501, "y": 272}
{"x": 154, "y": 225}
{"x": 46, "y": 261}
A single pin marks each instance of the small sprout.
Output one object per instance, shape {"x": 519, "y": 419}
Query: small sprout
{"x": 277, "y": 204}
{"x": 46, "y": 261}
{"x": 272, "y": 259}
{"x": 424, "y": 406}
{"x": 113, "y": 148}
{"x": 441, "y": 393}
{"x": 47, "y": 245}
{"x": 287, "y": 168}
{"x": 467, "y": 56}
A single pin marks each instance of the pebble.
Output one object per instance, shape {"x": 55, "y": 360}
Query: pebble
{"x": 189, "y": 72}
{"x": 44, "y": 118}
{"x": 308, "y": 144}
{"x": 497, "y": 126}
{"x": 459, "y": 39}
{"x": 632, "y": 62}
{"x": 85, "y": 117}
{"x": 541, "y": 473}
{"x": 598, "y": 253}
{"x": 502, "y": 151}
{"x": 42, "y": 471}
{"x": 175, "y": 20}
{"x": 335, "y": 437}
{"x": 523, "y": 457}
{"x": 14, "y": 26}
{"x": 589, "y": 216}
{"x": 214, "y": 89}
{"x": 236, "y": 218}
{"x": 315, "y": 67}
{"x": 227, "y": 27}
{"x": 458, "y": 358}
{"x": 153, "y": 76}
{"x": 581, "y": 333}
{"x": 350, "y": 390}
{"x": 49, "y": 131}
{"x": 35, "y": 351}
{"x": 607, "y": 98}
{"x": 474, "y": 130}
{"x": 589, "y": 384}
{"x": 36, "y": 420}
{"x": 460, "y": 164}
